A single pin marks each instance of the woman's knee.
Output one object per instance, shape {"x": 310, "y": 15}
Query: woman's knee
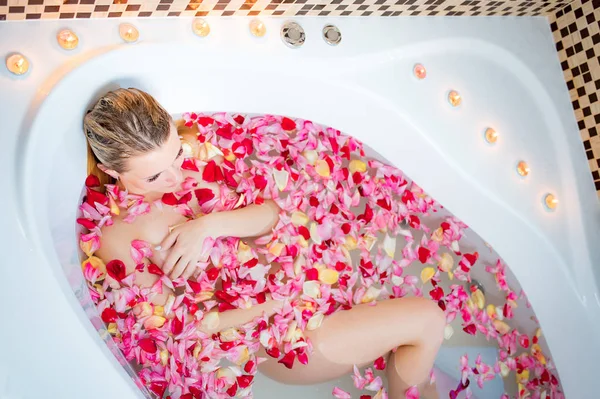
{"x": 432, "y": 318}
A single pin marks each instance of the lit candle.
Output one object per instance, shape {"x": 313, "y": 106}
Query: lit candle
{"x": 200, "y": 27}
{"x": 523, "y": 168}
{"x": 17, "y": 64}
{"x": 551, "y": 201}
{"x": 454, "y": 98}
{"x": 67, "y": 39}
{"x": 491, "y": 136}
{"x": 128, "y": 33}
{"x": 257, "y": 28}
{"x": 420, "y": 71}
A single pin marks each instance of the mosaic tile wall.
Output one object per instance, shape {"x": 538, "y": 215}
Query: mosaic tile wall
{"x": 53, "y": 9}
{"x": 576, "y": 30}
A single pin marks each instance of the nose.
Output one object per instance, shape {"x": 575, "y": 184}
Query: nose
{"x": 175, "y": 176}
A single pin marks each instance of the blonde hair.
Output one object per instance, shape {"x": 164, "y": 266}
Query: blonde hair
{"x": 122, "y": 124}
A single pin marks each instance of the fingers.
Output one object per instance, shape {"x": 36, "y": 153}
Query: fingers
{"x": 169, "y": 240}
{"x": 181, "y": 265}
{"x": 172, "y": 259}
{"x": 189, "y": 270}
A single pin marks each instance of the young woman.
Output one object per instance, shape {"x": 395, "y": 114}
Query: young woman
{"x": 134, "y": 143}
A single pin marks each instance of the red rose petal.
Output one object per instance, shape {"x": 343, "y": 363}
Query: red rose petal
{"x": 379, "y": 363}
{"x": 304, "y": 232}
{"x": 195, "y": 286}
{"x": 231, "y": 391}
{"x": 244, "y": 381}
{"x": 88, "y": 224}
{"x": 273, "y": 352}
{"x": 212, "y": 172}
{"x": 176, "y": 326}
{"x": 92, "y": 181}
{"x": 239, "y": 119}
{"x": 288, "y": 359}
{"x": 116, "y": 269}
{"x": 437, "y": 293}
{"x": 261, "y": 297}
{"x": 205, "y": 121}
{"x": 204, "y": 195}
{"x": 288, "y": 124}
{"x": 148, "y": 345}
{"x": 259, "y": 182}
{"x": 158, "y": 387}
{"x": 154, "y": 269}
{"x": 414, "y": 222}
{"x": 94, "y": 196}
{"x": 109, "y": 315}
{"x": 225, "y": 131}
{"x": 424, "y": 254}
{"x": 185, "y": 198}
{"x": 470, "y": 329}
{"x": 312, "y": 274}
{"x": 224, "y": 306}
{"x": 189, "y": 164}
{"x": 249, "y": 366}
{"x": 169, "y": 199}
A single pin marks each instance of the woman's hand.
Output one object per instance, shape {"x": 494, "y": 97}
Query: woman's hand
{"x": 186, "y": 243}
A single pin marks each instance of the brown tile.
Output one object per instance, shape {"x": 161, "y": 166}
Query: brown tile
{"x": 3, "y": 3}
{"x": 103, "y": 8}
{"x": 35, "y": 2}
{"x": 133, "y": 7}
{"x": 2, "y": 17}
{"x": 16, "y": 10}
{"x": 145, "y": 14}
{"x": 114, "y": 14}
{"x": 33, "y": 16}
{"x": 66, "y": 15}
{"x": 84, "y": 15}
{"x": 51, "y": 9}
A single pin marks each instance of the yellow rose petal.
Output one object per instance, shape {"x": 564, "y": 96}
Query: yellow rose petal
{"x": 197, "y": 349}
{"x": 314, "y": 233}
{"x": 357, "y": 165}
{"x": 446, "y": 262}
{"x": 369, "y": 241}
{"x": 328, "y": 276}
{"x": 438, "y": 235}
{"x": 164, "y": 357}
{"x": 281, "y": 178}
{"x": 243, "y": 356}
{"x": 504, "y": 370}
{"x": 427, "y": 273}
{"x": 159, "y": 310}
{"x": 371, "y": 294}
{"x": 290, "y": 331}
{"x": 203, "y": 296}
{"x": 154, "y": 322}
{"x": 299, "y": 218}
{"x": 86, "y": 247}
{"x": 212, "y": 151}
{"x": 322, "y": 168}
{"x": 315, "y": 321}
{"x": 523, "y": 376}
{"x": 389, "y": 245}
{"x": 112, "y": 328}
{"x": 96, "y": 263}
{"x": 501, "y": 326}
{"x": 311, "y": 289}
{"x": 311, "y": 156}
{"x": 491, "y": 311}
{"x": 478, "y": 298}
{"x": 226, "y": 372}
{"x": 114, "y": 208}
{"x": 210, "y": 321}
{"x": 230, "y": 334}
{"x": 350, "y": 243}
{"x": 142, "y": 309}
{"x": 451, "y": 275}
{"x": 276, "y": 248}
{"x": 448, "y": 332}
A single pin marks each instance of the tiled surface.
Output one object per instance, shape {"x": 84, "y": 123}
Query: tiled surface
{"x": 576, "y": 31}
{"x": 36, "y": 9}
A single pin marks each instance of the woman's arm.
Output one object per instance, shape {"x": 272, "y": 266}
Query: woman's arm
{"x": 250, "y": 221}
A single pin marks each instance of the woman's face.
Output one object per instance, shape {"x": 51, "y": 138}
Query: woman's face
{"x": 158, "y": 171}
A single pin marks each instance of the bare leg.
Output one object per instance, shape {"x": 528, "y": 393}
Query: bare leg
{"x": 362, "y": 334}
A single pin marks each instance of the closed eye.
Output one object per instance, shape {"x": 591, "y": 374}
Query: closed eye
{"x": 153, "y": 178}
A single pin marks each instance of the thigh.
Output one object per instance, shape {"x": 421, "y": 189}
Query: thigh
{"x": 356, "y": 336}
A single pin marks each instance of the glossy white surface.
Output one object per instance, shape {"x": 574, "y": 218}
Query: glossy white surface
{"x": 506, "y": 70}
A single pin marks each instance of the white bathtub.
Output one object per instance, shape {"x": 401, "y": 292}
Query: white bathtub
{"x": 506, "y": 70}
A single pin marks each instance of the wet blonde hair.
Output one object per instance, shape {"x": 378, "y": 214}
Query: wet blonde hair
{"x": 122, "y": 124}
